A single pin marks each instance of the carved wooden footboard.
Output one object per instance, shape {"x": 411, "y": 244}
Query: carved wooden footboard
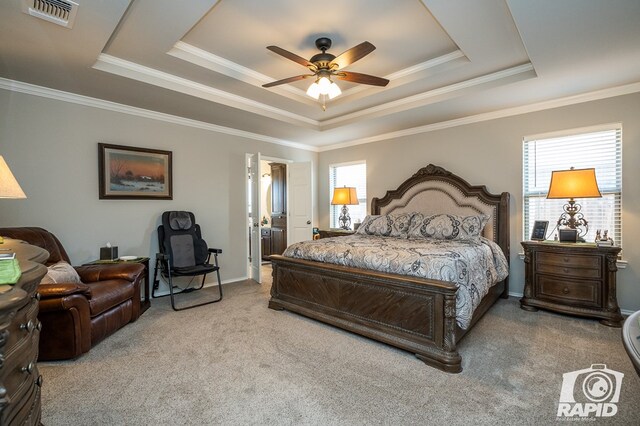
{"x": 411, "y": 313}
{"x": 415, "y": 314}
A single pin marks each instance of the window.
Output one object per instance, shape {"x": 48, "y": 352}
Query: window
{"x": 349, "y": 174}
{"x": 599, "y": 147}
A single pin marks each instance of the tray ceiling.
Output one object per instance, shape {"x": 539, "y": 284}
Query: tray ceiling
{"x": 208, "y": 61}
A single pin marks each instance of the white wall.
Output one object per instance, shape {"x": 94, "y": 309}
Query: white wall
{"x": 490, "y": 153}
{"x": 52, "y": 149}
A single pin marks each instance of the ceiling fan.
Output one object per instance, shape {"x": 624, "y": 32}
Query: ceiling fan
{"x": 325, "y": 66}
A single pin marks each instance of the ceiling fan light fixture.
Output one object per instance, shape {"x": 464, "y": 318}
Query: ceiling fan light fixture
{"x": 314, "y": 90}
{"x": 324, "y": 83}
{"x": 334, "y": 90}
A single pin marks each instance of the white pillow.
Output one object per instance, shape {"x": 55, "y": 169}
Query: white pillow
{"x": 61, "y": 272}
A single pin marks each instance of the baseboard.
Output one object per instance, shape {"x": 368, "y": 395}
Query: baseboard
{"x": 624, "y": 312}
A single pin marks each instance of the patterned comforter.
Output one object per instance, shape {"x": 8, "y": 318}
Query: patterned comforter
{"x": 473, "y": 265}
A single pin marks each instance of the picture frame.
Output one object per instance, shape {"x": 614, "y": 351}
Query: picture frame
{"x": 568, "y": 235}
{"x": 539, "y": 232}
{"x": 127, "y": 172}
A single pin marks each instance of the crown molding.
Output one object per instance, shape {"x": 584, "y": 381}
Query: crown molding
{"x": 124, "y": 68}
{"x": 508, "y": 112}
{"x": 507, "y": 75}
{"x": 45, "y": 92}
{"x": 30, "y": 89}
{"x": 208, "y": 60}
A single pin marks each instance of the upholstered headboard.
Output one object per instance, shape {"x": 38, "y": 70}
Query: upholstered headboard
{"x": 434, "y": 190}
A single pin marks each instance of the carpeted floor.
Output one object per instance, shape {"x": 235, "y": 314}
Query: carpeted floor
{"x": 237, "y": 362}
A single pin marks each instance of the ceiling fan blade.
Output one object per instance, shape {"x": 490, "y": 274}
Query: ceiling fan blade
{"x": 288, "y": 80}
{"x": 292, "y": 56}
{"x": 353, "y": 54}
{"x": 356, "y": 77}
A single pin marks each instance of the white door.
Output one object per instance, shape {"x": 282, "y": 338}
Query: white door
{"x": 300, "y": 202}
{"x": 255, "y": 253}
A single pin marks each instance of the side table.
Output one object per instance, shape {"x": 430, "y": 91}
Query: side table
{"x": 572, "y": 278}
{"x": 146, "y": 302}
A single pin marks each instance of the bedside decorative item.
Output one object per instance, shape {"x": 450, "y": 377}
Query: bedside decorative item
{"x": 573, "y": 183}
{"x": 568, "y": 235}
{"x": 539, "y": 232}
{"x": 108, "y": 252}
{"x": 345, "y": 196}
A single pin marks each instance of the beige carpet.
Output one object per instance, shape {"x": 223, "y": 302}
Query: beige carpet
{"x": 237, "y": 362}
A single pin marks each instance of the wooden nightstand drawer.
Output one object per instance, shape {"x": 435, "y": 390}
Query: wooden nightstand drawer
{"x": 581, "y": 292}
{"x": 566, "y": 259}
{"x": 568, "y": 270}
{"x": 577, "y": 279}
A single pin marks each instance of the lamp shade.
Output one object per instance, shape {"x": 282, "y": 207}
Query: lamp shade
{"x": 580, "y": 183}
{"x": 9, "y": 187}
{"x": 344, "y": 196}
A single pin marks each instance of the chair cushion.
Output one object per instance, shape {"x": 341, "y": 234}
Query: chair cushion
{"x": 194, "y": 270}
{"x": 107, "y": 294}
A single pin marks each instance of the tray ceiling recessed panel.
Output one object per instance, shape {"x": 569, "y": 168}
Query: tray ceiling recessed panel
{"x": 444, "y": 59}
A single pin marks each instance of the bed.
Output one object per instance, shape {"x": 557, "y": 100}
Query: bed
{"x": 409, "y": 312}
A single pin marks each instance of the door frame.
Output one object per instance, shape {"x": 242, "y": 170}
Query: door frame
{"x": 246, "y": 203}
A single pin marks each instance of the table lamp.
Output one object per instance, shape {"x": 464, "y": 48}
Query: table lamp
{"x": 573, "y": 183}
{"x": 9, "y": 187}
{"x": 345, "y": 196}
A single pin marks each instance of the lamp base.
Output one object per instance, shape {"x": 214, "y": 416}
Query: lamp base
{"x": 573, "y": 219}
{"x": 344, "y": 219}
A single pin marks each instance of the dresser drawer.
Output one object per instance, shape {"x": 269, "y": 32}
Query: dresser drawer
{"x": 570, "y": 271}
{"x": 23, "y": 325}
{"x": 571, "y": 260}
{"x": 578, "y": 292}
{"x": 279, "y": 221}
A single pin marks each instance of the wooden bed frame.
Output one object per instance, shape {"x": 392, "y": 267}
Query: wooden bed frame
{"x": 415, "y": 314}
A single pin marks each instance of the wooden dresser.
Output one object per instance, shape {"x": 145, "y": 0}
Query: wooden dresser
{"x": 572, "y": 278}
{"x": 20, "y": 381}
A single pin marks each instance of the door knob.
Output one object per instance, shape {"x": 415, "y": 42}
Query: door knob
{"x": 308, "y": 222}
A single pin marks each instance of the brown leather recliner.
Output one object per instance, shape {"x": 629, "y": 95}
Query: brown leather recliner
{"x": 76, "y": 316}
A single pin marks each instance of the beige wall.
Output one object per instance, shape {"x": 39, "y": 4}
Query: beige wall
{"x": 490, "y": 153}
{"x": 52, "y": 148}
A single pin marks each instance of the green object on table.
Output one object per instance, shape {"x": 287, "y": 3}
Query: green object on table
{"x": 9, "y": 271}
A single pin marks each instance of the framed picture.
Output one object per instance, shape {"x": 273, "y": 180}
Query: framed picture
{"x": 568, "y": 235}
{"x": 126, "y": 172}
{"x": 539, "y": 232}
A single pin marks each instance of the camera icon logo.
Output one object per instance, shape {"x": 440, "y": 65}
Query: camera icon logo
{"x": 593, "y": 391}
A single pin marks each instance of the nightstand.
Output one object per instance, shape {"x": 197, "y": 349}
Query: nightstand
{"x": 324, "y": 233}
{"x": 572, "y": 278}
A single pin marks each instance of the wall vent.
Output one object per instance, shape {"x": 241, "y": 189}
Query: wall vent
{"x": 61, "y": 12}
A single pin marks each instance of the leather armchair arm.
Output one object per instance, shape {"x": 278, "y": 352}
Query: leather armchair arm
{"x": 54, "y": 290}
{"x": 117, "y": 271}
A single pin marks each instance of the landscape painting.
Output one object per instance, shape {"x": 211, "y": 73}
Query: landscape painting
{"x": 134, "y": 173}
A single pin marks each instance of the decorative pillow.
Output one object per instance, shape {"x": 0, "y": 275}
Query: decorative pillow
{"x": 447, "y": 226}
{"x": 391, "y": 225}
{"x": 61, "y": 272}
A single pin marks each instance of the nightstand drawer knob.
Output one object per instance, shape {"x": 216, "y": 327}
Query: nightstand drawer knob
{"x": 39, "y": 380}
{"x": 565, "y": 270}
{"x": 28, "y": 326}
{"x": 565, "y": 290}
{"x": 39, "y": 326}
{"x": 29, "y": 368}
{"x": 36, "y": 296}
{"x": 566, "y": 259}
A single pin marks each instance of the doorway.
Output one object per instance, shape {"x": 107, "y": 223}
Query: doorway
{"x": 279, "y": 208}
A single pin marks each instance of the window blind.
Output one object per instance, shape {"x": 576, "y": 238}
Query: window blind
{"x": 600, "y": 149}
{"x": 349, "y": 174}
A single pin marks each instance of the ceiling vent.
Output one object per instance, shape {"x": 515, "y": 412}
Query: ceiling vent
{"x": 61, "y": 12}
